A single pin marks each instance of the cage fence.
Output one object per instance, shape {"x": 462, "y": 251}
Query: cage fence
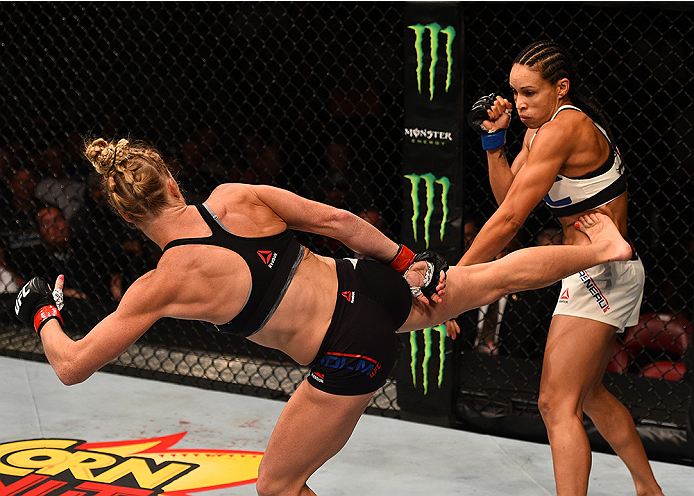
{"x": 309, "y": 97}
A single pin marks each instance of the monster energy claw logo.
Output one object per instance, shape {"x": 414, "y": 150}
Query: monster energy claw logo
{"x": 428, "y": 346}
{"x": 430, "y": 181}
{"x": 434, "y": 30}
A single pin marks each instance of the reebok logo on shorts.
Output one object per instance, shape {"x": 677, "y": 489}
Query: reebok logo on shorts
{"x": 594, "y": 291}
{"x": 349, "y": 296}
{"x": 317, "y": 376}
{"x": 564, "y": 298}
{"x": 268, "y": 257}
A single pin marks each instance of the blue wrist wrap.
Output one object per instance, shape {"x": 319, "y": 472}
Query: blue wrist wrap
{"x": 494, "y": 140}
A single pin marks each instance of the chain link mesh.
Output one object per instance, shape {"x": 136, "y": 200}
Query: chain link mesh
{"x": 309, "y": 97}
{"x": 636, "y": 63}
{"x": 305, "y": 96}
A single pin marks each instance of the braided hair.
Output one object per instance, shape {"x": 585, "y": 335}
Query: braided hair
{"x": 554, "y": 62}
{"x": 134, "y": 176}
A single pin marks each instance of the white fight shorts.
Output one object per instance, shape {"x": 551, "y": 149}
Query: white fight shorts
{"x": 609, "y": 293}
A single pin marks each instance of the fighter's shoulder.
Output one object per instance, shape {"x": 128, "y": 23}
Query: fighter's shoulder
{"x": 228, "y": 194}
{"x": 571, "y": 125}
{"x": 231, "y": 189}
{"x": 563, "y": 132}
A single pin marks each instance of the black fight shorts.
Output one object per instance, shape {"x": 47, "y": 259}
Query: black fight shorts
{"x": 360, "y": 346}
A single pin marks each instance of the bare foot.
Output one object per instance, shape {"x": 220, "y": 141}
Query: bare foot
{"x": 600, "y": 229}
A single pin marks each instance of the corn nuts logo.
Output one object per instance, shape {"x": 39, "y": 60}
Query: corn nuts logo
{"x": 433, "y": 29}
{"x": 61, "y": 467}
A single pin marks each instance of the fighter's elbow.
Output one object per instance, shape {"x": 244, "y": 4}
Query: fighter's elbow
{"x": 341, "y": 224}
{"x": 341, "y": 219}
{"x": 512, "y": 221}
{"x": 69, "y": 374}
{"x": 67, "y": 378}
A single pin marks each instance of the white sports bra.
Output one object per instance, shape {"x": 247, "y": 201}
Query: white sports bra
{"x": 572, "y": 195}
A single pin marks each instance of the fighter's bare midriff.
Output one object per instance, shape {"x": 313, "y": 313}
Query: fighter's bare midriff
{"x": 616, "y": 210}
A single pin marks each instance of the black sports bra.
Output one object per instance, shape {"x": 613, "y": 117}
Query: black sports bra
{"x": 272, "y": 260}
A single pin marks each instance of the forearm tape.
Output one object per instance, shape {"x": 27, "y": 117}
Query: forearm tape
{"x": 494, "y": 140}
{"x": 43, "y": 315}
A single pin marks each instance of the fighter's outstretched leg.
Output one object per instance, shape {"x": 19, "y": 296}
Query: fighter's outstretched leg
{"x": 469, "y": 287}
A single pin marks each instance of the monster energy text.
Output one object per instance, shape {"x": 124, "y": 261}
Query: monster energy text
{"x": 428, "y": 136}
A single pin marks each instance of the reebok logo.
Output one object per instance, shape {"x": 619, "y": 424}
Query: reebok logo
{"x": 268, "y": 257}
{"x": 349, "y": 296}
{"x": 565, "y": 295}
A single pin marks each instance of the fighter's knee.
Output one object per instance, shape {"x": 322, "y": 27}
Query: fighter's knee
{"x": 550, "y": 405}
{"x": 271, "y": 484}
{"x": 265, "y": 486}
{"x": 545, "y": 405}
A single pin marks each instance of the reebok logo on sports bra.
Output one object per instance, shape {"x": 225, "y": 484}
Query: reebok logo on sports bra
{"x": 268, "y": 257}
{"x": 281, "y": 253}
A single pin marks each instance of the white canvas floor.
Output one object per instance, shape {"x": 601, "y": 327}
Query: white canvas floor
{"x": 384, "y": 457}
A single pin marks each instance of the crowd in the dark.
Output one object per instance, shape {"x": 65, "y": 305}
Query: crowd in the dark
{"x": 56, "y": 219}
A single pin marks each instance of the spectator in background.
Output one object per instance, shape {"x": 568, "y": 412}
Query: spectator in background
{"x": 52, "y": 253}
{"x": 126, "y": 251}
{"x": 337, "y": 184}
{"x": 8, "y": 281}
{"x": 58, "y": 188}
{"x": 514, "y": 325}
{"x": 200, "y": 168}
{"x": 19, "y": 229}
{"x": 523, "y": 331}
{"x": 489, "y": 317}
{"x": 85, "y": 264}
{"x": 470, "y": 230}
{"x": 466, "y": 324}
{"x": 22, "y": 204}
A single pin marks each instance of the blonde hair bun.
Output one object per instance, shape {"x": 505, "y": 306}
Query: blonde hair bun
{"x": 107, "y": 158}
{"x": 134, "y": 176}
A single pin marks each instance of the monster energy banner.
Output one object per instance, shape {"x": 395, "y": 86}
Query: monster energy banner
{"x": 432, "y": 173}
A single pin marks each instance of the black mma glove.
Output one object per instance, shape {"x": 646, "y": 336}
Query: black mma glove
{"x": 478, "y": 114}
{"x": 36, "y": 305}
{"x": 435, "y": 264}
{"x": 491, "y": 139}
